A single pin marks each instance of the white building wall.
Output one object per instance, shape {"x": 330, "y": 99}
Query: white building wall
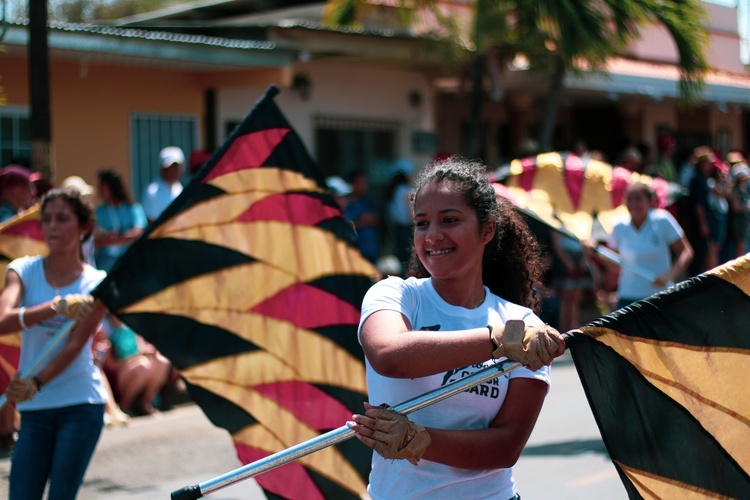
{"x": 355, "y": 92}
{"x": 724, "y": 41}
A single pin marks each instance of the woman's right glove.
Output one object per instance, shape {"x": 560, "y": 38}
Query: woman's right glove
{"x": 74, "y": 306}
{"x": 393, "y": 435}
{"x": 534, "y": 346}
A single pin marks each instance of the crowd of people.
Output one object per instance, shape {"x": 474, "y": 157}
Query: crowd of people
{"x": 707, "y": 225}
{"x": 466, "y": 288}
{"x": 106, "y": 373}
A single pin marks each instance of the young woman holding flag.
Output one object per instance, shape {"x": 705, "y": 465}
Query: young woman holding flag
{"x": 473, "y": 284}
{"x": 62, "y": 405}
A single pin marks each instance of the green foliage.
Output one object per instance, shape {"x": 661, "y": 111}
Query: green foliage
{"x": 583, "y": 33}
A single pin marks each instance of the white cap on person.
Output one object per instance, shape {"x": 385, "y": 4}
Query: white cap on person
{"x": 338, "y": 186}
{"x": 171, "y": 155}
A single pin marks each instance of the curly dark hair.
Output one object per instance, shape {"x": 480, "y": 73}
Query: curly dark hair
{"x": 512, "y": 265}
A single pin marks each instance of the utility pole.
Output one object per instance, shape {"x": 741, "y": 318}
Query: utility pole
{"x": 41, "y": 129}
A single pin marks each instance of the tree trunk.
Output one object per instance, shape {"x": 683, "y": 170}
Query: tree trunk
{"x": 553, "y": 105}
{"x": 473, "y": 144}
{"x": 41, "y": 129}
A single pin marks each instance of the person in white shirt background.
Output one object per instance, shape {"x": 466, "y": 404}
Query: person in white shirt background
{"x": 160, "y": 193}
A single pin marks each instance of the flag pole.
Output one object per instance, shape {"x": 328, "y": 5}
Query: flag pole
{"x": 42, "y": 357}
{"x": 339, "y": 435}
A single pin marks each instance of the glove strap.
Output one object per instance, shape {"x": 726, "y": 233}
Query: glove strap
{"x": 38, "y": 383}
{"x": 511, "y": 334}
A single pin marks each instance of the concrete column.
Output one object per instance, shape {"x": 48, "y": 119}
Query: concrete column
{"x": 632, "y": 120}
{"x": 520, "y": 105}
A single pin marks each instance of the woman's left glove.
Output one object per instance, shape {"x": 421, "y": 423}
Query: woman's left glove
{"x": 74, "y": 306}
{"x": 21, "y": 389}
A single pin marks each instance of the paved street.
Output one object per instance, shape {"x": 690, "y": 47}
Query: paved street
{"x": 564, "y": 459}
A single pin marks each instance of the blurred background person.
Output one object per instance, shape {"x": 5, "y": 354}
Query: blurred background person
{"x": 340, "y": 190}
{"x": 571, "y": 277}
{"x": 360, "y": 210}
{"x": 39, "y": 186}
{"x": 646, "y": 239}
{"x": 16, "y": 194}
{"x": 736, "y": 161}
{"x": 631, "y": 159}
{"x": 398, "y": 208}
{"x": 740, "y": 205}
{"x": 119, "y": 221}
{"x": 663, "y": 166}
{"x": 16, "y": 191}
{"x": 719, "y": 192}
{"x": 137, "y": 370}
{"x": 160, "y": 193}
{"x": 694, "y": 208}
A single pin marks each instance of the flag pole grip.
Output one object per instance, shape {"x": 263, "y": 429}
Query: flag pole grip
{"x": 341, "y": 434}
{"x": 187, "y": 493}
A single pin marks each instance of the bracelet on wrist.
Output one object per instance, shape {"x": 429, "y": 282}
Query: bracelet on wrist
{"x": 38, "y": 383}
{"x": 21, "y": 312}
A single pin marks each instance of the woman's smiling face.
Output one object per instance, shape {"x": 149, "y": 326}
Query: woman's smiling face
{"x": 447, "y": 236}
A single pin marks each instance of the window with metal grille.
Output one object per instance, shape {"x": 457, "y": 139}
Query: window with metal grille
{"x": 347, "y": 144}
{"x": 15, "y": 136}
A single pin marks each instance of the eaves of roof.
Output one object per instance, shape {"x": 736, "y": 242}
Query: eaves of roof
{"x": 660, "y": 80}
{"x": 156, "y": 44}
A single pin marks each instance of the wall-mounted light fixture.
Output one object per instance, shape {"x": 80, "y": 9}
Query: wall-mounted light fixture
{"x": 302, "y": 84}
{"x": 415, "y": 99}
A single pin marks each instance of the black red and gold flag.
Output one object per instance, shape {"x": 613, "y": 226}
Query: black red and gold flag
{"x": 666, "y": 381}
{"x": 585, "y": 198}
{"x": 19, "y": 236}
{"x": 251, "y": 284}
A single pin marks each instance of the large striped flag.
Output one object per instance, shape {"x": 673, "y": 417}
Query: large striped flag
{"x": 666, "y": 379}
{"x": 19, "y": 236}
{"x": 251, "y": 284}
{"x": 584, "y": 198}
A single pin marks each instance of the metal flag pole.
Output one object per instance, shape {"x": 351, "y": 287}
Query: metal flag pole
{"x": 339, "y": 435}
{"x": 42, "y": 357}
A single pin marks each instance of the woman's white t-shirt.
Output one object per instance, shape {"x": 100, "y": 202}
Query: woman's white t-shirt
{"x": 418, "y": 301}
{"x": 648, "y": 247}
{"x": 81, "y": 381}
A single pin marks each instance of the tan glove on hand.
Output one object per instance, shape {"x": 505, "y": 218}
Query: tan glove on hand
{"x": 21, "y": 389}
{"x": 74, "y": 306}
{"x": 534, "y": 346}
{"x": 397, "y": 437}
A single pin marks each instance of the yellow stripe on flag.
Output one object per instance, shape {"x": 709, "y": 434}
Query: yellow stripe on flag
{"x": 290, "y": 431}
{"x": 651, "y": 486}
{"x": 707, "y": 386}
{"x": 307, "y": 360}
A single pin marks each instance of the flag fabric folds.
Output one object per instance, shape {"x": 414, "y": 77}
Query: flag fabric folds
{"x": 566, "y": 192}
{"x": 19, "y": 236}
{"x": 251, "y": 284}
{"x": 666, "y": 379}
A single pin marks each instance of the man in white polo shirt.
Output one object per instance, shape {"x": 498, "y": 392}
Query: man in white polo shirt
{"x": 160, "y": 193}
